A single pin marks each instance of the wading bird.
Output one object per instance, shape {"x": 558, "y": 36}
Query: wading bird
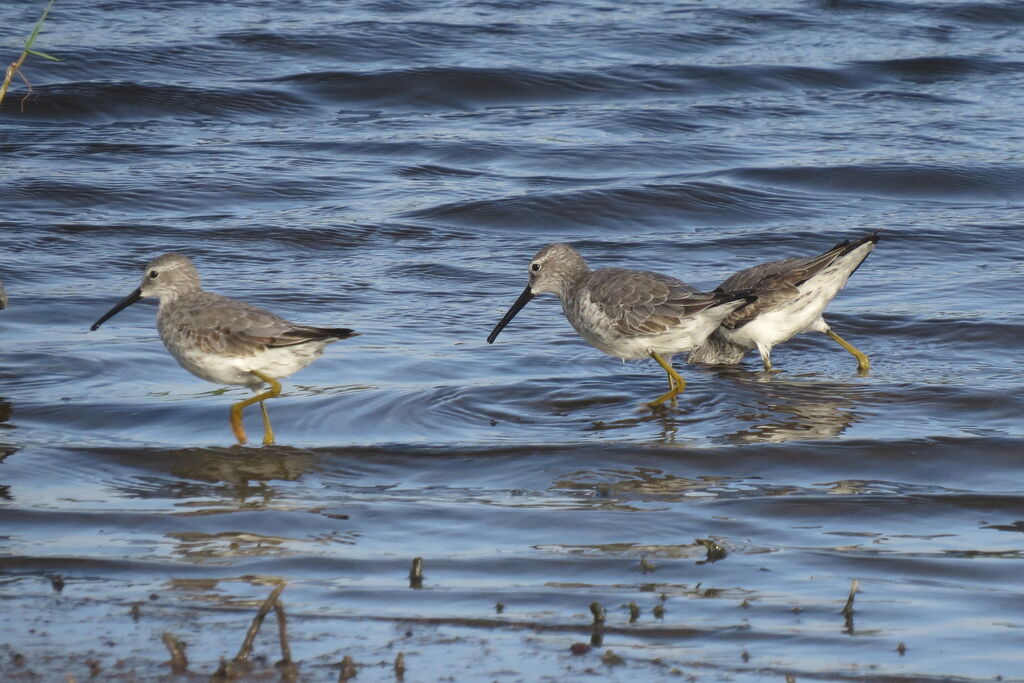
{"x": 791, "y": 295}
{"x": 628, "y": 314}
{"x": 223, "y": 340}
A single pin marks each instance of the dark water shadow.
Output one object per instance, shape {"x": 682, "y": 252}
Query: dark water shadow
{"x": 6, "y": 448}
{"x": 5, "y": 413}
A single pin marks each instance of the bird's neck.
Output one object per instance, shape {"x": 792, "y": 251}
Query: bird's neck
{"x": 171, "y": 297}
{"x": 572, "y": 280}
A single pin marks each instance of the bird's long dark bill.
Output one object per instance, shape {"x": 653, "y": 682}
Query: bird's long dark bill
{"x": 523, "y": 299}
{"x": 120, "y": 306}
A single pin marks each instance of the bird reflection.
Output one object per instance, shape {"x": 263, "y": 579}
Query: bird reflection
{"x": 228, "y": 476}
{"x": 203, "y": 547}
{"x": 243, "y": 468}
{"x": 768, "y": 407}
{"x": 205, "y": 483}
{"x": 619, "y": 489}
{"x": 669, "y": 424}
{"x": 780, "y": 410}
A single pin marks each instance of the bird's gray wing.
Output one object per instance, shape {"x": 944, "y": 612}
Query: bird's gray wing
{"x": 217, "y": 324}
{"x": 642, "y": 302}
{"x": 776, "y": 282}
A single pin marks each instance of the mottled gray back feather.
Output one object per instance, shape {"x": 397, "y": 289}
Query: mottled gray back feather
{"x": 217, "y": 324}
{"x": 642, "y": 302}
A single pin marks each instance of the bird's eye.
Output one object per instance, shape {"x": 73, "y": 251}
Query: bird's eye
{"x": 153, "y": 274}
{"x": 535, "y": 267}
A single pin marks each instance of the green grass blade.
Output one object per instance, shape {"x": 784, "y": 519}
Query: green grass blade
{"x": 44, "y": 56}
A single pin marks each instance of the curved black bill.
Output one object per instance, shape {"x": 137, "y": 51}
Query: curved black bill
{"x": 118, "y": 307}
{"x": 523, "y": 299}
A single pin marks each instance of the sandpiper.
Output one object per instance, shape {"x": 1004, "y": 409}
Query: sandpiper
{"x": 791, "y": 295}
{"x": 223, "y": 340}
{"x": 628, "y": 314}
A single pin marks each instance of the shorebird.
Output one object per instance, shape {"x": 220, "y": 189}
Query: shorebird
{"x": 791, "y": 295}
{"x": 223, "y": 340}
{"x": 628, "y": 314}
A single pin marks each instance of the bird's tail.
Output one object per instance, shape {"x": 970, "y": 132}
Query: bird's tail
{"x": 846, "y": 247}
{"x": 339, "y": 332}
{"x": 303, "y": 334}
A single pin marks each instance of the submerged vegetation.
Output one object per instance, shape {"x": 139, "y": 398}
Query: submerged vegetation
{"x": 15, "y": 66}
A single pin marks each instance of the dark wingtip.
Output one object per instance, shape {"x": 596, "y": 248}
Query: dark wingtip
{"x": 870, "y": 237}
{"x": 724, "y": 297}
{"x": 341, "y": 332}
{"x": 846, "y": 246}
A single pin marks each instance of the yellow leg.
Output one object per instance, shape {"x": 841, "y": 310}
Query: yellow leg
{"x": 863, "y": 364}
{"x": 676, "y": 384}
{"x": 268, "y": 431}
{"x": 237, "y": 408}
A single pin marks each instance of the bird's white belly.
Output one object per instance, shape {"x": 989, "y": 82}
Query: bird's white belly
{"x": 774, "y": 327}
{"x": 800, "y": 314}
{"x": 227, "y": 369}
{"x": 619, "y": 346}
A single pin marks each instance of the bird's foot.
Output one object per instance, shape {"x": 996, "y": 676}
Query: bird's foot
{"x": 660, "y": 402}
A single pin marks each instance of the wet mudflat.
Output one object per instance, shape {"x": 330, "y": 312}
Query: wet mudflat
{"x": 392, "y": 167}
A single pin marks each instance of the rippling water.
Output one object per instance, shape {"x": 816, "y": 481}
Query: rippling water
{"x": 391, "y": 166}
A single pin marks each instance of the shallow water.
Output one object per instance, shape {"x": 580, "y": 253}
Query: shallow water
{"x": 391, "y": 167}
